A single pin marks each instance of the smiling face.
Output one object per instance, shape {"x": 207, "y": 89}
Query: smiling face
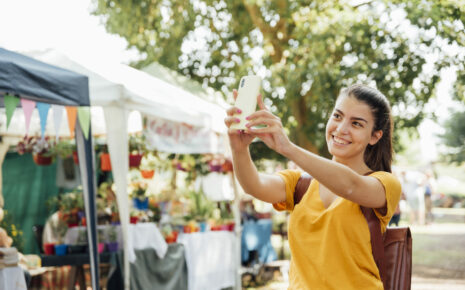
{"x": 350, "y": 129}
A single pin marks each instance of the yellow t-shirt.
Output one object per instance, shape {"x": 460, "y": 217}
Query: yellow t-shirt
{"x": 331, "y": 247}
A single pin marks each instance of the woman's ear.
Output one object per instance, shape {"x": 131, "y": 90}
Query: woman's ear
{"x": 375, "y": 137}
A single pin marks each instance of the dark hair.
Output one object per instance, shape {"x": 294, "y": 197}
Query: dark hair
{"x": 379, "y": 156}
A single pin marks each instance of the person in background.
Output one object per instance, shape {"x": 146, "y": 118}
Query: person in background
{"x": 429, "y": 188}
{"x": 328, "y": 235}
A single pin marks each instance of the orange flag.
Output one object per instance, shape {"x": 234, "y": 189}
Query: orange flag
{"x": 72, "y": 114}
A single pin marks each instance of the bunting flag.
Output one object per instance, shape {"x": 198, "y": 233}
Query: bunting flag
{"x": 72, "y": 114}
{"x": 10, "y": 105}
{"x": 28, "y": 108}
{"x": 84, "y": 120}
{"x": 43, "y": 109}
{"x": 57, "y": 116}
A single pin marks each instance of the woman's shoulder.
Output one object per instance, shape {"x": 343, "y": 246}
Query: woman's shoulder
{"x": 387, "y": 178}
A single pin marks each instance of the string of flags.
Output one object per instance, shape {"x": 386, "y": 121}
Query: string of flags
{"x": 81, "y": 114}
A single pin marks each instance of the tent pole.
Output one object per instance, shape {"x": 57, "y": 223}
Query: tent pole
{"x": 87, "y": 165}
{"x": 237, "y": 232}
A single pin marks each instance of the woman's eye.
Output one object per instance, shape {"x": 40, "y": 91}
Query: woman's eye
{"x": 336, "y": 116}
{"x": 358, "y": 124}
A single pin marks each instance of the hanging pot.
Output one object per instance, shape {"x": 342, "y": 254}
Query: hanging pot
{"x": 42, "y": 160}
{"x": 105, "y": 163}
{"x": 134, "y": 160}
{"x": 147, "y": 174}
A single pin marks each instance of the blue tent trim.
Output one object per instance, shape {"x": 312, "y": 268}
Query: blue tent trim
{"x": 41, "y": 82}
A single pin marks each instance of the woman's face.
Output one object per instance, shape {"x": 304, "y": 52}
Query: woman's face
{"x": 350, "y": 129}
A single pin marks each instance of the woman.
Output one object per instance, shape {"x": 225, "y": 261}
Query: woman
{"x": 328, "y": 234}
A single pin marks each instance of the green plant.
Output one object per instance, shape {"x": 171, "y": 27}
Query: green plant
{"x": 136, "y": 143}
{"x": 200, "y": 207}
{"x": 112, "y": 234}
{"x": 149, "y": 162}
{"x": 12, "y": 231}
{"x": 64, "y": 148}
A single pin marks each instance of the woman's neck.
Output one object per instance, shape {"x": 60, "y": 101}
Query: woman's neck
{"x": 358, "y": 165}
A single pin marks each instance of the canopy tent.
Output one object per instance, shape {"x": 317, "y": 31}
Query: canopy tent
{"x": 119, "y": 89}
{"x": 34, "y": 80}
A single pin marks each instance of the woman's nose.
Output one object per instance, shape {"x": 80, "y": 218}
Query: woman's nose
{"x": 343, "y": 127}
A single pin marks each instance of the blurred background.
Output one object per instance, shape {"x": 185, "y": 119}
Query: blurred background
{"x": 305, "y": 51}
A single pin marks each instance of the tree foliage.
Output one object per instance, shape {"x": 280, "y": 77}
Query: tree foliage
{"x": 454, "y": 138}
{"x": 306, "y": 51}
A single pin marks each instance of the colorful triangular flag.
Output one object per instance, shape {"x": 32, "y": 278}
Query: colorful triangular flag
{"x": 57, "y": 117}
{"x": 72, "y": 114}
{"x": 43, "y": 109}
{"x": 10, "y": 105}
{"x": 28, "y": 108}
{"x": 84, "y": 120}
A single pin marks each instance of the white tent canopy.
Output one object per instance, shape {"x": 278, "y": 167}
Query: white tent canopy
{"x": 119, "y": 89}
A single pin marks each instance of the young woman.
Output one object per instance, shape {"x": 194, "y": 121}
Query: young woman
{"x": 328, "y": 234}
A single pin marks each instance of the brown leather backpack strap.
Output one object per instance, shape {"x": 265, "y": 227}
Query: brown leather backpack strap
{"x": 377, "y": 245}
{"x": 301, "y": 187}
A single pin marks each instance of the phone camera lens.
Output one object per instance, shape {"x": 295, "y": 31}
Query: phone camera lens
{"x": 242, "y": 83}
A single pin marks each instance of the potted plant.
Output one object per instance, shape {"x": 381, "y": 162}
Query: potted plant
{"x": 41, "y": 149}
{"x": 139, "y": 198}
{"x": 101, "y": 240}
{"x": 112, "y": 244}
{"x": 148, "y": 165}
{"x": 154, "y": 212}
{"x": 60, "y": 229}
{"x": 136, "y": 149}
{"x": 105, "y": 162}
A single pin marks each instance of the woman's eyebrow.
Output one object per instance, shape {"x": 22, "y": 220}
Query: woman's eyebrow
{"x": 353, "y": 118}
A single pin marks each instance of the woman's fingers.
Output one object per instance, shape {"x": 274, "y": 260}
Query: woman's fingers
{"x": 261, "y": 121}
{"x": 231, "y": 120}
{"x": 232, "y": 111}
{"x": 235, "y": 94}
{"x": 260, "y": 102}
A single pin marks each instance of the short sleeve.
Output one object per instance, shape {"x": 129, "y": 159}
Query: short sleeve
{"x": 393, "y": 192}
{"x": 290, "y": 177}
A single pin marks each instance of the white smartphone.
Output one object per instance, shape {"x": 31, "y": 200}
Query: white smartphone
{"x": 249, "y": 88}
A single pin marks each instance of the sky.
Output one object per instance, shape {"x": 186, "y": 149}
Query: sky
{"x": 67, "y": 26}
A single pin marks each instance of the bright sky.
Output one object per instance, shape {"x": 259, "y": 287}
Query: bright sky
{"x": 67, "y": 25}
{"x": 62, "y": 24}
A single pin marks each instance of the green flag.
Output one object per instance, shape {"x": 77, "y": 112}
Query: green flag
{"x": 10, "y": 105}
{"x": 84, "y": 120}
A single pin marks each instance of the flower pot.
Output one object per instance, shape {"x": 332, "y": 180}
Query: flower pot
{"x": 105, "y": 163}
{"x": 72, "y": 224}
{"x": 227, "y": 166}
{"x": 101, "y": 247}
{"x": 141, "y": 204}
{"x": 49, "y": 249}
{"x": 76, "y": 249}
{"x": 42, "y": 160}
{"x": 112, "y": 246}
{"x": 215, "y": 167}
{"x": 134, "y": 160}
{"x": 224, "y": 228}
{"x": 203, "y": 226}
{"x": 230, "y": 227}
{"x": 75, "y": 157}
{"x": 60, "y": 250}
{"x": 147, "y": 174}
{"x": 133, "y": 219}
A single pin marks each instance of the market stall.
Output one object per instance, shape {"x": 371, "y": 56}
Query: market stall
{"x": 34, "y": 82}
{"x": 178, "y": 121}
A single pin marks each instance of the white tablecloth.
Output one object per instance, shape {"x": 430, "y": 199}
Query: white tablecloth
{"x": 140, "y": 236}
{"x": 12, "y": 278}
{"x": 210, "y": 259}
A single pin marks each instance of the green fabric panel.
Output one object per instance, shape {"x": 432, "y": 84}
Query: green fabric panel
{"x": 26, "y": 188}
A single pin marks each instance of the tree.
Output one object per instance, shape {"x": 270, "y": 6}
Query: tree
{"x": 305, "y": 50}
{"x": 454, "y": 138}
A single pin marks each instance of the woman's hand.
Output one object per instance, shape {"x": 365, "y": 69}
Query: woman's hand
{"x": 238, "y": 139}
{"x": 273, "y": 134}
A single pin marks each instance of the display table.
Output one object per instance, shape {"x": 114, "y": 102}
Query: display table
{"x": 210, "y": 259}
{"x": 12, "y": 278}
{"x": 140, "y": 236}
